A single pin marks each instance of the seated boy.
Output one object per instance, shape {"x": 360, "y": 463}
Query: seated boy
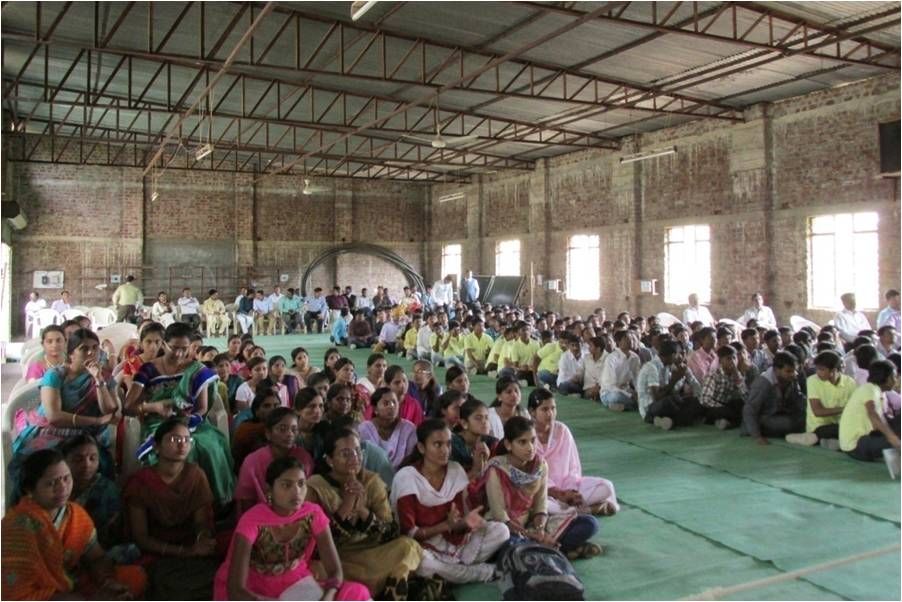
{"x": 724, "y": 391}
{"x": 360, "y": 333}
{"x": 665, "y": 389}
{"x": 829, "y": 391}
{"x": 776, "y": 405}
{"x": 618, "y": 376}
{"x": 549, "y": 356}
{"x": 340, "y": 328}
{"x": 477, "y": 346}
{"x": 409, "y": 340}
{"x": 571, "y": 367}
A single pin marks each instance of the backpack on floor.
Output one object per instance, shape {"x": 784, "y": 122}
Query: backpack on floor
{"x": 532, "y": 571}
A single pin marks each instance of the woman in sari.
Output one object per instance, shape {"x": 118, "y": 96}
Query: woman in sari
{"x": 50, "y": 547}
{"x": 364, "y": 530}
{"x": 98, "y": 495}
{"x": 397, "y": 436}
{"x": 472, "y": 445}
{"x": 409, "y": 409}
{"x": 375, "y": 376}
{"x": 162, "y": 311}
{"x": 269, "y": 557}
{"x": 429, "y": 496}
{"x": 52, "y": 355}
{"x": 515, "y": 485}
{"x": 251, "y": 434}
{"x": 309, "y": 406}
{"x": 170, "y": 516}
{"x": 338, "y": 401}
{"x": 281, "y": 433}
{"x": 287, "y": 384}
{"x": 75, "y": 399}
{"x": 343, "y": 374}
{"x": 566, "y": 484}
{"x": 300, "y": 365}
{"x": 174, "y": 384}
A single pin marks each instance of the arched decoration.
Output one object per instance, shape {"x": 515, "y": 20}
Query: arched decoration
{"x": 414, "y": 280}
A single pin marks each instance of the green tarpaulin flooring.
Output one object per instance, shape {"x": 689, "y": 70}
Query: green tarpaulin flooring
{"x": 704, "y": 508}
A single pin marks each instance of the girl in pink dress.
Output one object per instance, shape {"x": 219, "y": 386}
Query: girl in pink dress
{"x": 269, "y": 556}
{"x": 566, "y": 484}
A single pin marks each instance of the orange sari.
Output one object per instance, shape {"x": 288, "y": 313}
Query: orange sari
{"x": 42, "y": 556}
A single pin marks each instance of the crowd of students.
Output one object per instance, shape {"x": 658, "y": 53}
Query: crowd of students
{"x": 390, "y": 485}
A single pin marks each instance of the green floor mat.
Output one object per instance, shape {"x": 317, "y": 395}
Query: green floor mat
{"x": 704, "y": 508}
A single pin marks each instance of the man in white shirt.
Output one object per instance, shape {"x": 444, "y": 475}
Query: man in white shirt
{"x": 62, "y": 304}
{"x": 593, "y": 366}
{"x": 848, "y": 321}
{"x": 189, "y": 308}
{"x": 262, "y": 314}
{"x": 697, "y": 313}
{"x": 443, "y": 292}
{"x": 570, "y": 368}
{"x": 889, "y": 315}
{"x": 275, "y": 307}
{"x": 34, "y": 305}
{"x": 424, "y": 334}
{"x": 618, "y": 377}
{"x": 762, "y": 314}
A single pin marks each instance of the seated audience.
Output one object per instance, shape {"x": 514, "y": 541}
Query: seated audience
{"x": 618, "y": 377}
{"x": 505, "y": 406}
{"x": 667, "y": 391}
{"x": 571, "y": 368}
{"x": 250, "y": 435}
{"x": 387, "y": 429}
{"x": 52, "y": 355}
{"x": 775, "y": 405}
{"x": 724, "y": 391}
{"x": 829, "y": 390}
{"x": 863, "y": 430}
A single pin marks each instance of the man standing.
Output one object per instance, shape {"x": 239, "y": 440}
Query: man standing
{"x": 469, "y": 292}
{"x": 126, "y": 300}
{"x": 189, "y": 306}
{"x": 759, "y": 312}
{"x": 428, "y": 299}
{"x": 848, "y": 321}
{"x": 697, "y": 313}
{"x": 218, "y": 321}
{"x": 443, "y": 292}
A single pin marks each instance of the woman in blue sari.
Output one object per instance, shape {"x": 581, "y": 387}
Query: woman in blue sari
{"x": 177, "y": 385}
{"x": 75, "y": 399}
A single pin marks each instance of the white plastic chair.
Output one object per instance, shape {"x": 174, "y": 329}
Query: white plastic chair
{"x": 798, "y": 322}
{"x": 130, "y": 431}
{"x": 101, "y": 317}
{"x": 31, "y": 356}
{"x": 119, "y": 334}
{"x": 72, "y": 313}
{"x": 23, "y": 398}
{"x": 667, "y": 320}
{"x": 217, "y": 415}
{"x": 43, "y": 319}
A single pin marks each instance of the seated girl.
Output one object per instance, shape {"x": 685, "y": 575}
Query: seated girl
{"x": 331, "y": 356}
{"x": 365, "y": 532}
{"x": 98, "y": 495}
{"x": 250, "y": 435}
{"x": 396, "y": 380}
{"x": 456, "y": 378}
{"x": 244, "y": 355}
{"x": 338, "y": 401}
{"x": 287, "y": 384}
{"x": 50, "y": 547}
{"x": 300, "y": 365}
{"x": 447, "y": 408}
{"x": 258, "y": 371}
{"x": 52, "y": 355}
{"x": 566, "y": 484}
{"x": 863, "y": 430}
{"x": 281, "y": 435}
{"x": 309, "y": 407}
{"x": 472, "y": 445}
{"x": 387, "y": 429}
{"x": 228, "y": 382}
{"x": 506, "y": 405}
{"x": 75, "y": 399}
{"x": 150, "y": 342}
{"x": 429, "y": 496}
{"x": 343, "y": 374}
{"x": 269, "y": 557}
{"x": 176, "y": 385}
{"x": 376, "y": 365}
{"x": 423, "y": 387}
{"x": 170, "y": 515}
{"x": 516, "y": 485}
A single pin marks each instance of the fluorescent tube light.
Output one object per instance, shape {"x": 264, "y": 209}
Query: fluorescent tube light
{"x": 360, "y": 7}
{"x": 203, "y": 151}
{"x": 647, "y": 155}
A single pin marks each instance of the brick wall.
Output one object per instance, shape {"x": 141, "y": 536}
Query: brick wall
{"x": 755, "y": 182}
{"x": 204, "y": 230}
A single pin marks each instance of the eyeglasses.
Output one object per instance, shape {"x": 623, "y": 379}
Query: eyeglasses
{"x": 177, "y": 439}
{"x": 350, "y": 452}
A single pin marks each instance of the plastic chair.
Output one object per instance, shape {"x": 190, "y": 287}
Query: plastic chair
{"x": 101, "y": 317}
{"x": 667, "y": 320}
{"x": 119, "y": 334}
{"x": 217, "y": 415}
{"x": 798, "y": 322}
{"x": 72, "y": 313}
{"x": 44, "y": 318}
{"x": 23, "y": 398}
{"x": 31, "y": 356}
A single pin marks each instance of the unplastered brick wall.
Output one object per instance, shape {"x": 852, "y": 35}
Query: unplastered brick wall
{"x": 92, "y": 221}
{"x": 755, "y": 182}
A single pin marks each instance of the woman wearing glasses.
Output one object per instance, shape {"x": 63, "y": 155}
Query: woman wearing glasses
{"x": 170, "y": 515}
{"x": 365, "y": 532}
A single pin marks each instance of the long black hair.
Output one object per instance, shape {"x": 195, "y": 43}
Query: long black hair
{"x": 426, "y": 428}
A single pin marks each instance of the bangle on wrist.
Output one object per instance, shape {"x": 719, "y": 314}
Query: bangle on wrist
{"x": 73, "y": 420}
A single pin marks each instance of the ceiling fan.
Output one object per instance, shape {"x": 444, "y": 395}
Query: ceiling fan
{"x": 439, "y": 141}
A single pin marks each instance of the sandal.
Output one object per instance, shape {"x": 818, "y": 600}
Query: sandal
{"x": 587, "y": 550}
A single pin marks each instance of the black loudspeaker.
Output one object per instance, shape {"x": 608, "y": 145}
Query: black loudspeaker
{"x": 889, "y": 148}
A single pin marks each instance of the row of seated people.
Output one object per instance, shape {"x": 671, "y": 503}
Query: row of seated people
{"x": 451, "y": 495}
